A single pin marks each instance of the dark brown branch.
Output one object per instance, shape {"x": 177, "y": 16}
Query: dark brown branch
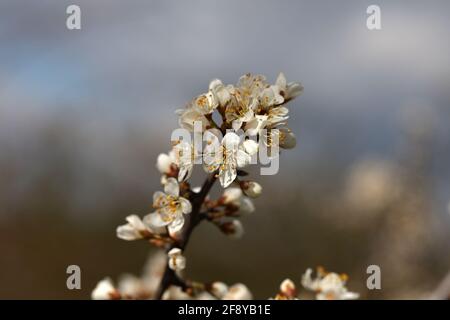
{"x": 192, "y": 220}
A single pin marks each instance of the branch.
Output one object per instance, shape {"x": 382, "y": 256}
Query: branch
{"x": 192, "y": 220}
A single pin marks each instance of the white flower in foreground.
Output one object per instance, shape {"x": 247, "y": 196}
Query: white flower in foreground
{"x": 238, "y": 291}
{"x": 134, "y": 229}
{"x": 104, "y": 290}
{"x": 177, "y": 261}
{"x": 170, "y": 208}
{"x": 328, "y": 286}
{"x": 288, "y": 90}
{"x": 227, "y": 156}
{"x": 251, "y": 188}
{"x": 186, "y": 155}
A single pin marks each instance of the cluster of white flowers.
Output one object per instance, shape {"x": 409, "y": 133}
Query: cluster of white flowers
{"x": 254, "y": 107}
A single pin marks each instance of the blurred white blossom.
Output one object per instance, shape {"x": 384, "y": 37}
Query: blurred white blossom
{"x": 328, "y": 285}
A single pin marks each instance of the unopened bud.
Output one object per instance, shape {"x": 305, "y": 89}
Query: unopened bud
{"x": 251, "y": 188}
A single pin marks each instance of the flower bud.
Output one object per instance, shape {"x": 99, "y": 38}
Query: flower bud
{"x": 177, "y": 261}
{"x": 251, "y": 188}
{"x": 232, "y": 228}
{"x": 287, "y": 288}
{"x": 231, "y": 195}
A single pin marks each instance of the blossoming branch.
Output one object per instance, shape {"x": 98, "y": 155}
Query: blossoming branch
{"x": 238, "y": 123}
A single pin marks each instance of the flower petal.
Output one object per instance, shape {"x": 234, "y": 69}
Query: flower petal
{"x": 154, "y": 220}
{"x": 171, "y": 188}
{"x": 186, "y": 206}
{"x": 242, "y": 158}
{"x": 231, "y": 140}
{"x": 176, "y": 224}
{"x": 227, "y": 175}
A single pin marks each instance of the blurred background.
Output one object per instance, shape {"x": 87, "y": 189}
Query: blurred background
{"x": 84, "y": 114}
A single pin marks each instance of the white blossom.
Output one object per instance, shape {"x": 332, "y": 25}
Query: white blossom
{"x": 187, "y": 155}
{"x": 134, "y": 229}
{"x": 328, "y": 286}
{"x": 105, "y": 290}
{"x": 206, "y": 103}
{"x": 226, "y": 157}
{"x": 165, "y": 162}
{"x": 177, "y": 261}
{"x": 170, "y": 208}
{"x": 288, "y": 90}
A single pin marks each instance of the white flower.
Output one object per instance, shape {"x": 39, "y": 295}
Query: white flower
{"x": 288, "y": 90}
{"x": 278, "y": 137}
{"x": 104, "y": 290}
{"x": 276, "y": 115}
{"x": 328, "y": 286}
{"x": 254, "y": 126}
{"x": 288, "y": 289}
{"x": 187, "y": 156}
{"x": 135, "y": 229}
{"x": 252, "y": 85}
{"x": 170, "y": 208}
{"x": 240, "y": 109}
{"x": 177, "y": 261}
{"x": 251, "y": 188}
{"x": 221, "y": 92}
{"x": 238, "y": 291}
{"x": 226, "y": 157}
{"x": 190, "y": 115}
{"x": 165, "y": 162}
{"x": 206, "y": 103}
